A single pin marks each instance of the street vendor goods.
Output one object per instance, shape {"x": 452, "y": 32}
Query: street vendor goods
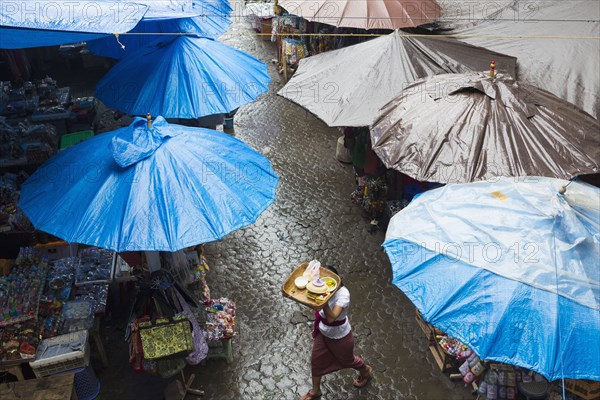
{"x": 94, "y": 267}
{"x": 220, "y": 319}
{"x": 20, "y": 291}
{"x": 166, "y": 337}
{"x": 77, "y": 315}
{"x": 19, "y": 341}
{"x": 455, "y": 347}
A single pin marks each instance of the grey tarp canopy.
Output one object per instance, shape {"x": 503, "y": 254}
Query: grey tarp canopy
{"x": 347, "y": 87}
{"x": 556, "y": 42}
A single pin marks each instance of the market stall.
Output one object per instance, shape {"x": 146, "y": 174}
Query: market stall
{"x": 37, "y": 119}
{"x": 183, "y": 290}
{"x": 166, "y": 325}
{"x": 379, "y": 191}
{"x": 46, "y": 304}
{"x": 261, "y": 17}
{"x": 537, "y": 311}
{"x": 494, "y": 380}
{"x": 297, "y": 38}
{"x": 36, "y": 101}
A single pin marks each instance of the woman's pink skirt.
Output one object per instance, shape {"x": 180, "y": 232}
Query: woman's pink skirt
{"x": 330, "y": 355}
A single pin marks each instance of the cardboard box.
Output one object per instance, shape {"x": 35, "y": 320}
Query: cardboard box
{"x": 56, "y": 250}
{"x": 5, "y": 266}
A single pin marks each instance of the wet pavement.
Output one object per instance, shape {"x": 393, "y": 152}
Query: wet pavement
{"x": 312, "y": 218}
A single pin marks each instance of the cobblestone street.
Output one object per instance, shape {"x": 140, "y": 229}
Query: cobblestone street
{"x": 312, "y": 218}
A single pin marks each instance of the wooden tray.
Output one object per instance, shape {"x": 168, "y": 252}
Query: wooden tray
{"x": 290, "y": 290}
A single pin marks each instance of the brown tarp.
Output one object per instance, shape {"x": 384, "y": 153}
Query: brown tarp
{"x": 365, "y": 14}
{"x": 469, "y": 127}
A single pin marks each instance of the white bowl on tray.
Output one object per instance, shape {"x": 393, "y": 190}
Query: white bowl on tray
{"x": 300, "y": 282}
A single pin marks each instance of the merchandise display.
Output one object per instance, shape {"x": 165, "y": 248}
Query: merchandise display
{"x": 49, "y": 316}
{"x": 220, "y": 319}
{"x": 35, "y": 302}
{"x": 77, "y": 315}
{"x": 23, "y": 142}
{"x": 96, "y": 294}
{"x": 294, "y": 50}
{"x": 61, "y": 277}
{"x": 218, "y": 314}
{"x": 503, "y": 381}
{"x": 38, "y": 98}
{"x": 19, "y": 341}
{"x": 95, "y": 266}
{"x": 302, "y": 38}
{"x": 84, "y": 109}
{"x": 21, "y": 289}
{"x": 11, "y": 217}
{"x": 20, "y": 292}
{"x": 17, "y": 101}
{"x": 455, "y": 348}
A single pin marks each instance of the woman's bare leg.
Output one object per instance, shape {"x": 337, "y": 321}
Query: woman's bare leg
{"x": 316, "y": 382}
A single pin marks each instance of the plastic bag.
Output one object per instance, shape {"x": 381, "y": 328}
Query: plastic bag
{"x": 313, "y": 271}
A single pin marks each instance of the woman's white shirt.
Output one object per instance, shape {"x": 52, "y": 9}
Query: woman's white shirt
{"x": 340, "y": 298}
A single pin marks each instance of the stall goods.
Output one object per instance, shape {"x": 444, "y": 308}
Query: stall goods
{"x": 21, "y": 289}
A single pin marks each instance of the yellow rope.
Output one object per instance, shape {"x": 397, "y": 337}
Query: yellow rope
{"x": 433, "y": 36}
{"x": 120, "y": 44}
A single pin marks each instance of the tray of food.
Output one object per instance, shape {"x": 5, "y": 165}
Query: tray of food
{"x": 310, "y": 292}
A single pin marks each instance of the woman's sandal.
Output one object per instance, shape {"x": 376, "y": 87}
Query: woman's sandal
{"x": 310, "y": 396}
{"x": 361, "y": 381}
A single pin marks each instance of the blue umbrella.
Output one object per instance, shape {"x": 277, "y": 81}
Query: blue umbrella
{"x": 206, "y": 18}
{"x": 510, "y": 268}
{"x": 31, "y": 23}
{"x": 183, "y": 77}
{"x": 163, "y": 189}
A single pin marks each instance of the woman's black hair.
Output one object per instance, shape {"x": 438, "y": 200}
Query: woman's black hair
{"x": 332, "y": 269}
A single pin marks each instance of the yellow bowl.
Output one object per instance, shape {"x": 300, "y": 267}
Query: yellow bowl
{"x": 330, "y": 282}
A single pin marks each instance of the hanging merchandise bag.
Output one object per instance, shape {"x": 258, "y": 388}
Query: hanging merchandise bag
{"x": 166, "y": 338}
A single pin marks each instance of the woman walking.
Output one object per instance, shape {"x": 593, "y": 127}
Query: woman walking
{"x": 333, "y": 346}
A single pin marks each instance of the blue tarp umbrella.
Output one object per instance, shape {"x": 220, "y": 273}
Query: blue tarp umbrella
{"x": 510, "y": 268}
{"x": 163, "y": 188}
{"x": 32, "y": 23}
{"x": 206, "y": 18}
{"x": 183, "y": 77}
